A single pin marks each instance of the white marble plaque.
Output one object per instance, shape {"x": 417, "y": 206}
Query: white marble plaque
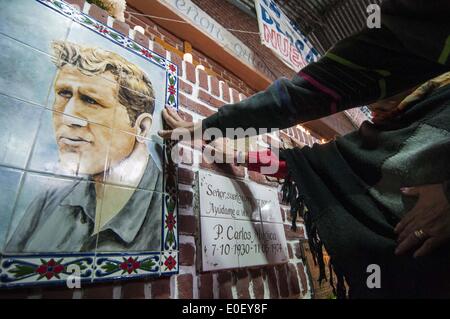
{"x": 223, "y": 197}
{"x": 240, "y": 224}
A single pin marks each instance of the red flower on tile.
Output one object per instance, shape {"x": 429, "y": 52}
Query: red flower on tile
{"x": 101, "y": 29}
{"x": 170, "y": 263}
{"x": 130, "y": 265}
{"x": 172, "y": 89}
{"x": 146, "y": 53}
{"x": 172, "y": 68}
{"x": 170, "y": 221}
{"x": 50, "y": 269}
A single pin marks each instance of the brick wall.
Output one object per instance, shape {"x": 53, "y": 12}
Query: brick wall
{"x": 232, "y": 18}
{"x": 200, "y": 95}
{"x": 155, "y": 32}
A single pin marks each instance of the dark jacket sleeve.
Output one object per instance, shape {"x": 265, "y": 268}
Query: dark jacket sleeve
{"x": 369, "y": 66}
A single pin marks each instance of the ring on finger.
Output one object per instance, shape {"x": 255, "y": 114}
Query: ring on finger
{"x": 420, "y": 234}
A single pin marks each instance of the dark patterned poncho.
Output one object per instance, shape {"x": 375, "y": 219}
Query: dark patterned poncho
{"x": 351, "y": 186}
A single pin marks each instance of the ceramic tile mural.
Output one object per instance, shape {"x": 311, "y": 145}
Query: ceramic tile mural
{"x": 86, "y": 186}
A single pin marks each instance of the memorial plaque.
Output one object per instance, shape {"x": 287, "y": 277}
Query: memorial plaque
{"x": 240, "y": 224}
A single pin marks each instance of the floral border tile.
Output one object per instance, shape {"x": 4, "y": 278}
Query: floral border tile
{"x": 20, "y": 270}
{"x": 126, "y": 265}
{"x": 169, "y": 262}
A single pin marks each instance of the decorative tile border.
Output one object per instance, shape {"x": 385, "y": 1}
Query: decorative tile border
{"x": 169, "y": 262}
{"x": 57, "y": 268}
{"x": 20, "y": 270}
{"x": 126, "y": 265}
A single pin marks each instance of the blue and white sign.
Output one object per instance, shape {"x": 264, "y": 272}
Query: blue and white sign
{"x": 283, "y": 36}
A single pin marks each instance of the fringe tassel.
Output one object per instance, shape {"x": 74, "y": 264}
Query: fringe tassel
{"x": 292, "y": 197}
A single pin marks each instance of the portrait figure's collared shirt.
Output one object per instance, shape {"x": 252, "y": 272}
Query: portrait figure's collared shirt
{"x": 63, "y": 219}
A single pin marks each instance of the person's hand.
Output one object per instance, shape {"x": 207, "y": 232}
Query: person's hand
{"x": 223, "y": 150}
{"x": 427, "y": 225}
{"x": 178, "y": 126}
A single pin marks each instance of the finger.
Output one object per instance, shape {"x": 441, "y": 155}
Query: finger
{"x": 410, "y": 191}
{"x": 411, "y": 227}
{"x": 175, "y": 114}
{"x": 407, "y": 244}
{"x": 427, "y": 247}
{"x": 169, "y": 114}
{"x": 172, "y": 122}
{"x": 407, "y": 219}
{"x": 165, "y": 134}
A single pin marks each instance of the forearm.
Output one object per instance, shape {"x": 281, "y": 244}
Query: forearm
{"x": 369, "y": 66}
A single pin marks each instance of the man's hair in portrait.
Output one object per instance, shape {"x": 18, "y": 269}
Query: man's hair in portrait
{"x": 135, "y": 91}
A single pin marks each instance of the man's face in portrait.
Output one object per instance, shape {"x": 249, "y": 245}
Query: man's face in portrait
{"x": 87, "y": 107}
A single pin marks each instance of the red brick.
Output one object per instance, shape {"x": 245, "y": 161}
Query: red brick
{"x": 185, "y": 199}
{"x": 258, "y": 283}
{"x": 57, "y": 293}
{"x": 235, "y": 95}
{"x": 187, "y": 225}
{"x": 122, "y": 27}
{"x": 190, "y": 72}
{"x": 203, "y": 79}
{"x": 152, "y": 34}
{"x": 225, "y": 91}
{"x": 145, "y": 20}
{"x": 289, "y": 217}
{"x": 184, "y": 115}
{"x": 215, "y": 90}
{"x": 99, "y": 291}
{"x": 141, "y": 39}
{"x": 293, "y": 281}
{"x": 292, "y": 235}
{"x": 159, "y": 49}
{"x": 209, "y": 99}
{"x": 169, "y": 41}
{"x": 280, "y": 197}
{"x": 187, "y": 254}
{"x": 242, "y": 284}
{"x": 282, "y": 280}
{"x": 290, "y": 253}
{"x": 79, "y": 4}
{"x": 185, "y": 87}
{"x": 224, "y": 169}
{"x": 298, "y": 251}
{"x": 176, "y": 59}
{"x": 224, "y": 279}
{"x": 185, "y": 176}
{"x": 302, "y": 273}
{"x": 283, "y": 214}
{"x": 272, "y": 281}
{"x": 242, "y": 97}
{"x": 98, "y": 14}
{"x": 21, "y": 293}
{"x": 169, "y": 36}
{"x": 133, "y": 290}
{"x": 185, "y": 154}
{"x": 133, "y": 21}
{"x": 195, "y": 107}
{"x": 160, "y": 288}
{"x": 185, "y": 285}
{"x": 205, "y": 285}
